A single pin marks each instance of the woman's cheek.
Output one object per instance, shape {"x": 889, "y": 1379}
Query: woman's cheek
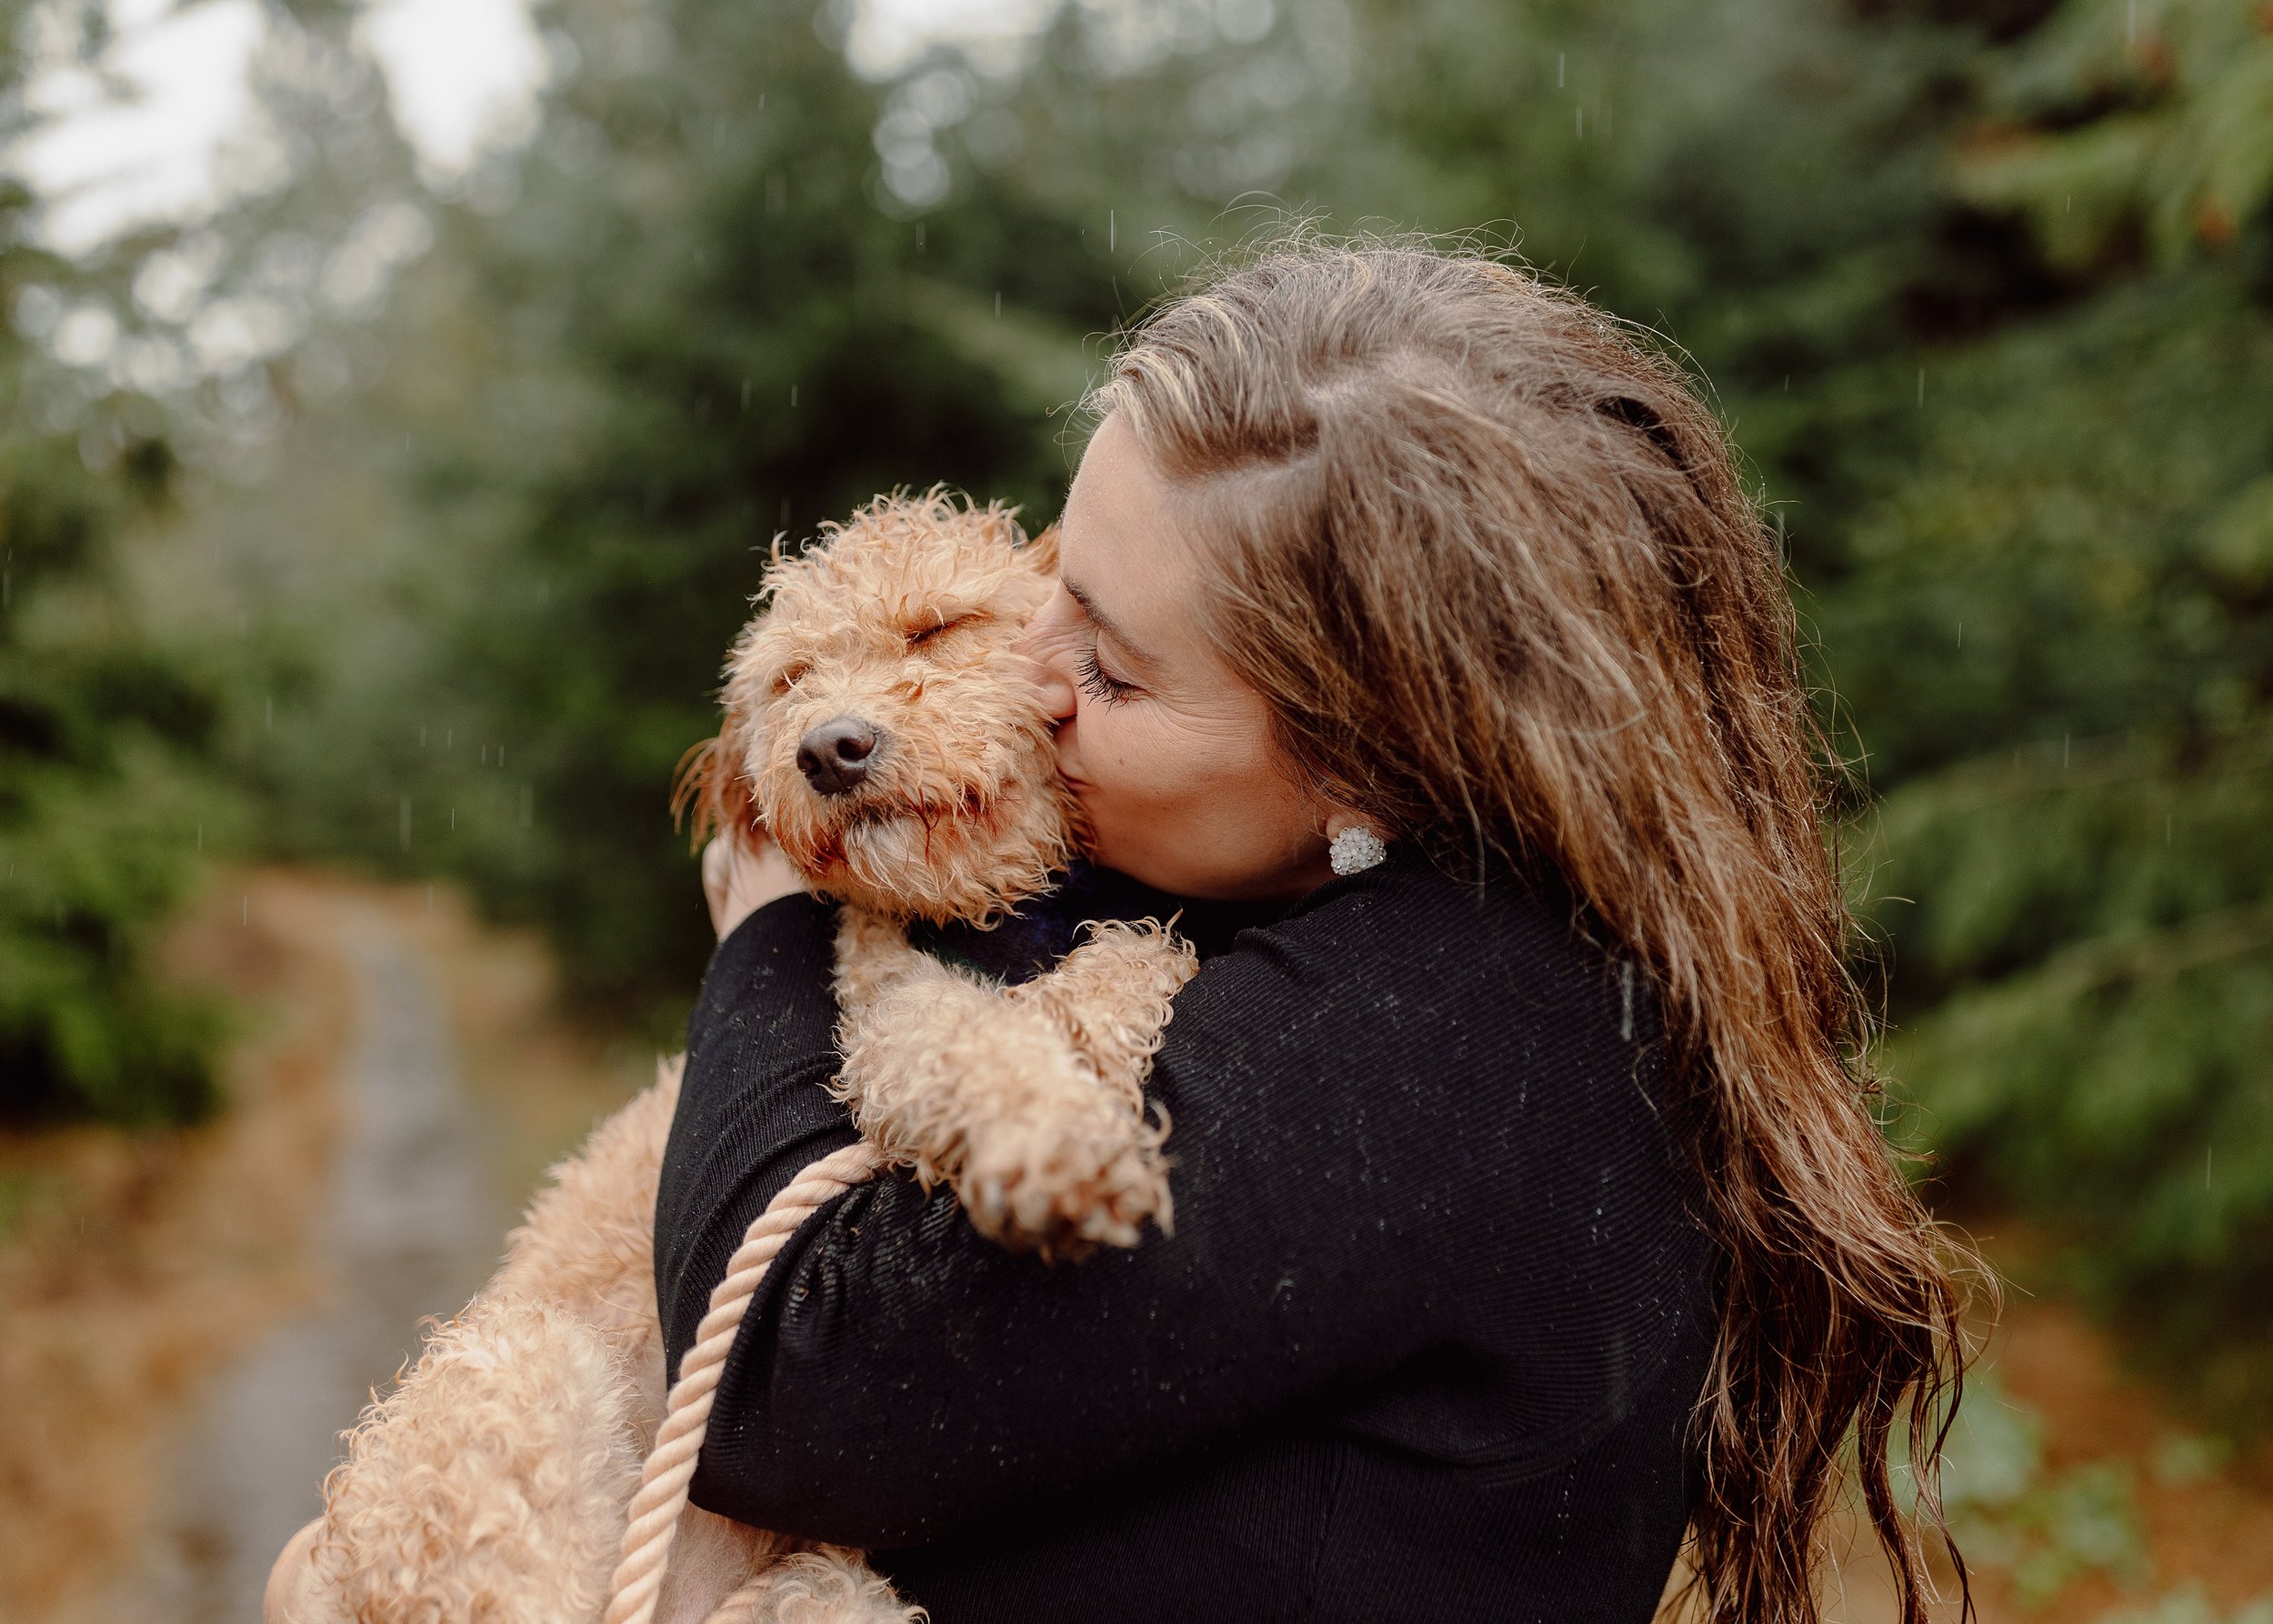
{"x": 1105, "y": 745}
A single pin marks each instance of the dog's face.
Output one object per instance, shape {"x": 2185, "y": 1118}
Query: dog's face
{"x": 878, "y": 727}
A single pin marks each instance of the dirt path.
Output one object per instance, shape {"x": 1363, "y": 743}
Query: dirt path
{"x": 192, "y": 1317}
{"x": 411, "y": 1228}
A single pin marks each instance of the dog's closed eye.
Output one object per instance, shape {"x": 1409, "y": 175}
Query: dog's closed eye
{"x": 918, "y": 637}
{"x": 789, "y": 677}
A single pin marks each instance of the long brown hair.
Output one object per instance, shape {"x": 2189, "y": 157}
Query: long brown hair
{"x": 1487, "y": 555}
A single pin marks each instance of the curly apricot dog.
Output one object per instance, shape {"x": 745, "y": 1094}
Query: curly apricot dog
{"x": 881, "y": 730}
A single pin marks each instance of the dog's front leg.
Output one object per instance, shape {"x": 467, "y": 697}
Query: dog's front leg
{"x": 952, "y": 1078}
{"x": 1111, "y": 997}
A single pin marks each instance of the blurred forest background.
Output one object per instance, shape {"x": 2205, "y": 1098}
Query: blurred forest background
{"x": 379, "y": 524}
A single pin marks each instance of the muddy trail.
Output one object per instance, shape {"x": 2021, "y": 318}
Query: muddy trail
{"x": 193, "y": 1319}
{"x": 410, "y": 1228}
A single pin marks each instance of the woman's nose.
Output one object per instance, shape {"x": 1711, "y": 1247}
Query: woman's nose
{"x": 1056, "y": 693}
{"x": 1046, "y": 663}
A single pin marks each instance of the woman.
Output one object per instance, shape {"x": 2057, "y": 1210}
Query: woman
{"x": 1529, "y": 1206}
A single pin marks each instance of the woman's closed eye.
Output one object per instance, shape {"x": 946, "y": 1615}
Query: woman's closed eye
{"x": 1101, "y": 685}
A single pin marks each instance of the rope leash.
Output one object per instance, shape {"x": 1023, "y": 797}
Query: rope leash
{"x": 656, "y": 1509}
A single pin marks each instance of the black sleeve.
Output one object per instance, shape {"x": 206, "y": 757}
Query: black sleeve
{"x": 1413, "y": 1131}
{"x": 754, "y": 1105}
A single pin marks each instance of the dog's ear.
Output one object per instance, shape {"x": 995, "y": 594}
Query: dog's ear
{"x": 710, "y": 784}
{"x": 1041, "y": 554}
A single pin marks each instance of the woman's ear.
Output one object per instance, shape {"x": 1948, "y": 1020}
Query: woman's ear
{"x": 1336, "y": 818}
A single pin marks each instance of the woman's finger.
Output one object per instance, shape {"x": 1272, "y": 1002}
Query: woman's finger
{"x": 741, "y": 874}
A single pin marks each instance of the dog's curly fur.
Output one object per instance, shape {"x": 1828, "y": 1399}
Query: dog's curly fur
{"x": 492, "y": 1485}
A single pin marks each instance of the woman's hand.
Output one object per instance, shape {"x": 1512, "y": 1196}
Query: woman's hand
{"x": 743, "y": 874}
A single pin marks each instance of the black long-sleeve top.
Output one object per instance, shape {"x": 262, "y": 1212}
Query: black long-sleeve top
{"x": 1425, "y": 1343}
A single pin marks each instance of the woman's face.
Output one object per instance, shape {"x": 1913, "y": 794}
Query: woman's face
{"x": 1171, "y": 753}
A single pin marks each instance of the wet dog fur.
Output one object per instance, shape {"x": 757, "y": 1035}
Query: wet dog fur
{"x": 492, "y": 1483}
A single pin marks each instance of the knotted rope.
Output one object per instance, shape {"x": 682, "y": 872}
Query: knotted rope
{"x": 670, "y": 1468}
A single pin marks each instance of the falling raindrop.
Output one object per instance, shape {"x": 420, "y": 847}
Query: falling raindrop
{"x": 1112, "y": 229}
{"x": 1961, "y": 634}
{"x": 793, "y": 395}
{"x": 999, "y": 302}
{"x": 746, "y": 393}
{"x": 402, "y": 822}
{"x": 1559, "y": 69}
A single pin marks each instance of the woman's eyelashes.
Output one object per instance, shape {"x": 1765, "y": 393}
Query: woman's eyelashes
{"x": 1102, "y": 686}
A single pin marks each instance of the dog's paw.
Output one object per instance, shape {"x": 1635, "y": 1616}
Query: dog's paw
{"x": 1142, "y": 961}
{"x": 1067, "y": 1188}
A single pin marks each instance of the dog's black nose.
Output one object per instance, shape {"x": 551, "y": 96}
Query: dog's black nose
{"x": 834, "y": 757}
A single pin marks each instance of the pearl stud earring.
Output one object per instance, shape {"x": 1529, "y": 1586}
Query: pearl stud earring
{"x": 1355, "y": 849}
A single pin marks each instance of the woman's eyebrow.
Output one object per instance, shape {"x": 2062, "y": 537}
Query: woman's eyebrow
{"x": 1106, "y": 624}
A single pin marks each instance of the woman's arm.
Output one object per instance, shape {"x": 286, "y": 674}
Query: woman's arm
{"x": 1405, "y": 1119}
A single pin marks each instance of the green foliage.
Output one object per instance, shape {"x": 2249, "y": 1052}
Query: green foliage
{"x": 691, "y": 331}
{"x": 103, "y": 810}
{"x": 2009, "y": 1512}
{"x": 2052, "y": 628}
{"x": 2132, "y": 121}
{"x": 104, "y": 805}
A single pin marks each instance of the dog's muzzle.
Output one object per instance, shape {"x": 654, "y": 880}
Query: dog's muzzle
{"x": 834, "y": 755}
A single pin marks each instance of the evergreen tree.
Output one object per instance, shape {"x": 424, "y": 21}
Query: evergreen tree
{"x": 2055, "y": 634}
{"x": 696, "y": 325}
{"x": 105, "y": 800}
